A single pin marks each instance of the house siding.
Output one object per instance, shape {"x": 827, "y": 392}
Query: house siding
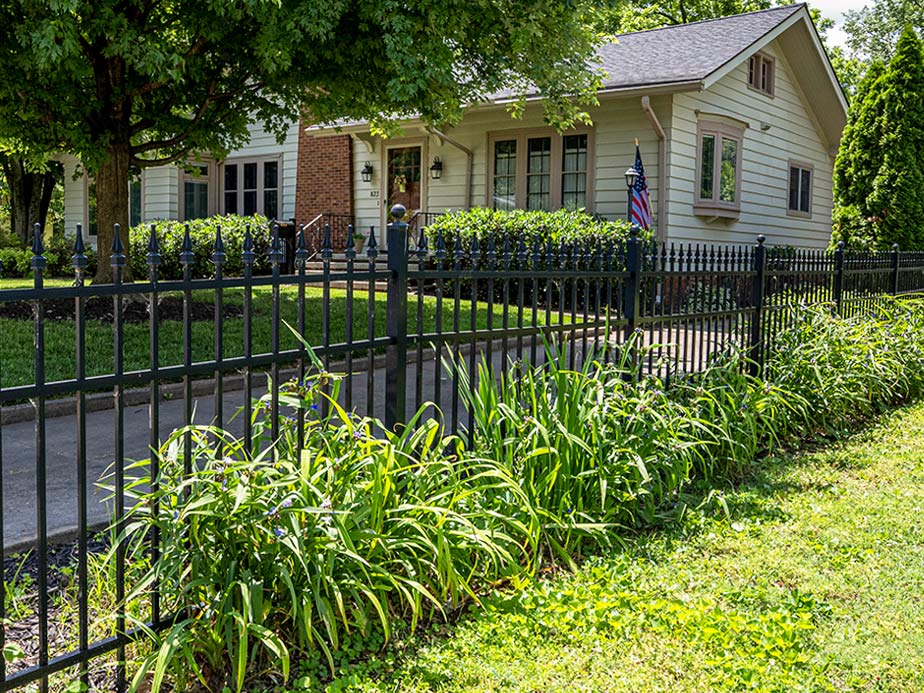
{"x": 75, "y": 194}
{"x": 793, "y": 135}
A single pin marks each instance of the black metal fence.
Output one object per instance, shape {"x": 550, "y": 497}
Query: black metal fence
{"x": 385, "y": 321}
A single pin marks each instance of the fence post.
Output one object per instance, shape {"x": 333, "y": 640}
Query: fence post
{"x": 396, "y": 322}
{"x": 757, "y": 301}
{"x": 838, "y": 277}
{"x": 631, "y": 298}
{"x": 895, "y": 266}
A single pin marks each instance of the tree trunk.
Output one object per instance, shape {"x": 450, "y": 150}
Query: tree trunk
{"x": 30, "y": 196}
{"x": 112, "y": 202}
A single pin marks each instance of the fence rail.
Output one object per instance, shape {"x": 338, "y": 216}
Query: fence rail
{"x": 445, "y": 299}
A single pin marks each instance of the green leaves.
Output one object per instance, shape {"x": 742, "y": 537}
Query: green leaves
{"x": 878, "y": 176}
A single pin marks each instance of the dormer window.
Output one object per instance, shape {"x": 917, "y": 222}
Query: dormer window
{"x": 761, "y": 73}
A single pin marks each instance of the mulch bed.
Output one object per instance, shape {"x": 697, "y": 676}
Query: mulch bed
{"x": 62, "y": 561}
{"x": 134, "y": 310}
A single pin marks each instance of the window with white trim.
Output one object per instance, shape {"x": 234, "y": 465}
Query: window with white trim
{"x": 539, "y": 170}
{"x": 800, "y": 189}
{"x": 251, "y": 187}
{"x": 196, "y": 189}
{"x": 718, "y": 169}
{"x": 761, "y": 70}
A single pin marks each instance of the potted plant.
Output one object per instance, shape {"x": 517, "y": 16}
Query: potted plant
{"x": 359, "y": 241}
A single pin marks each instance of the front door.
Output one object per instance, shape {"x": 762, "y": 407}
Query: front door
{"x": 404, "y": 178}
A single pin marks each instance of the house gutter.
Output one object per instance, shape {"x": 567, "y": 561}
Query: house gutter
{"x": 662, "y": 167}
{"x": 470, "y": 157}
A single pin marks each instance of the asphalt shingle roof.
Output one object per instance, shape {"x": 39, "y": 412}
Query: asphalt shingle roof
{"x": 685, "y": 52}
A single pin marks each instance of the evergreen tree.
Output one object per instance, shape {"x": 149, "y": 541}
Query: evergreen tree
{"x": 879, "y": 174}
{"x": 858, "y": 162}
{"x": 898, "y": 189}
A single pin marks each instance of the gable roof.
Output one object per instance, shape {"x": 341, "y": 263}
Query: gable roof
{"x": 685, "y": 52}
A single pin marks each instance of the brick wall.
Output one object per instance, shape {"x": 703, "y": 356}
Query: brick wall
{"x": 324, "y": 182}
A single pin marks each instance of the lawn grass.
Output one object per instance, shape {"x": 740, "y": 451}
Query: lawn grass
{"x": 812, "y": 582}
{"x": 16, "y": 345}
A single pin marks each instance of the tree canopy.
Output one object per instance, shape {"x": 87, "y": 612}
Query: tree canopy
{"x": 874, "y": 30}
{"x": 879, "y": 175}
{"x": 127, "y": 84}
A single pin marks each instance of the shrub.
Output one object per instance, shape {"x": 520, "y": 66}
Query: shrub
{"x": 562, "y": 226}
{"x": 202, "y": 232}
{"x": 849, "y": 368}
{"x": 274, "y": 557}
{"x": 17, "y": 262}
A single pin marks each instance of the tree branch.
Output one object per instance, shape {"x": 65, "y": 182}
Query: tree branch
{"x": 163, "y": 161}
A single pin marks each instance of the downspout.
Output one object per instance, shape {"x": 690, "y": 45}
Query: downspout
{"x": 469, "y": 166}
{"x": 662, "y": 167}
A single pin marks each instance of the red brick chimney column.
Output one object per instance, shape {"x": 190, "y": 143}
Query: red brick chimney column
{"x": 324, "y": 182}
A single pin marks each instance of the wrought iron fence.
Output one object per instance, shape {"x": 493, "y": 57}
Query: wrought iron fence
{"x": 679, "y": 306}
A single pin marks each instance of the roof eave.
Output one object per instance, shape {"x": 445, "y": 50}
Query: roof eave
{"x": 606, "y": 92}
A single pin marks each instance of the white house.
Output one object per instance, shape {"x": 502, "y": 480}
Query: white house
{"x": 738, "y": 121}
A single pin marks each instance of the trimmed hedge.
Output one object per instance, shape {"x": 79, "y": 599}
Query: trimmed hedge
{"x": 562, "y": 226}
{"x": 202, "y": 231}
{"x": 17, "y": 261}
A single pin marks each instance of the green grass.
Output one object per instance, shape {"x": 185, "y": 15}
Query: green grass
{"x": 16, "y": 347}
{"x": 812, "y": 582}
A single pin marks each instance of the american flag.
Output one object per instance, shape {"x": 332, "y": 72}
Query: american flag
{"x": 641, "y": 203}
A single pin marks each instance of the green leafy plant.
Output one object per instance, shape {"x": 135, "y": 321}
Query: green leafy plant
{"x": 562, "y": 226}
{"x": 202, "y": 231}
{"x": 275, "y": 554}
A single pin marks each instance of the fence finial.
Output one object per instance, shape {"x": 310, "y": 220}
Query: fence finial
{"x": 327, "y": 249}
{"x": 301, "y": 247}
{"x": 440, "y": 253}
{"x": 422, "y": 243}
{"x": 153, "y": 248}
{"x": 218, "y": 249}
{"x": 187, "y": 258}
{"x": 117, "y": 259}
{"x": 38, "y": 248}
{"x": 372, "y": 246}
{"x": 476, "y": 251}
{"x": 248, "y": 255}
{"x": 275, "y": 255}
{"x": 79, "y": 258}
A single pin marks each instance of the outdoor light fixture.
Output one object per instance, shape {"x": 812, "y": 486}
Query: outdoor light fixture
{"x": 366, "y": 173}
{"x": 436, "y": 170}
{"x": 631, "y": 177}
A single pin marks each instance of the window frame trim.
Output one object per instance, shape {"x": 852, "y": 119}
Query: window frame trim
{"x": 767, "y": 58}
{"x": 241, "y": 160}
{"x": 802, "y": 166}
{"x": 714, "y": 207}
{"x": 521, "y": 135}
{"x": 213, "y": 169}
